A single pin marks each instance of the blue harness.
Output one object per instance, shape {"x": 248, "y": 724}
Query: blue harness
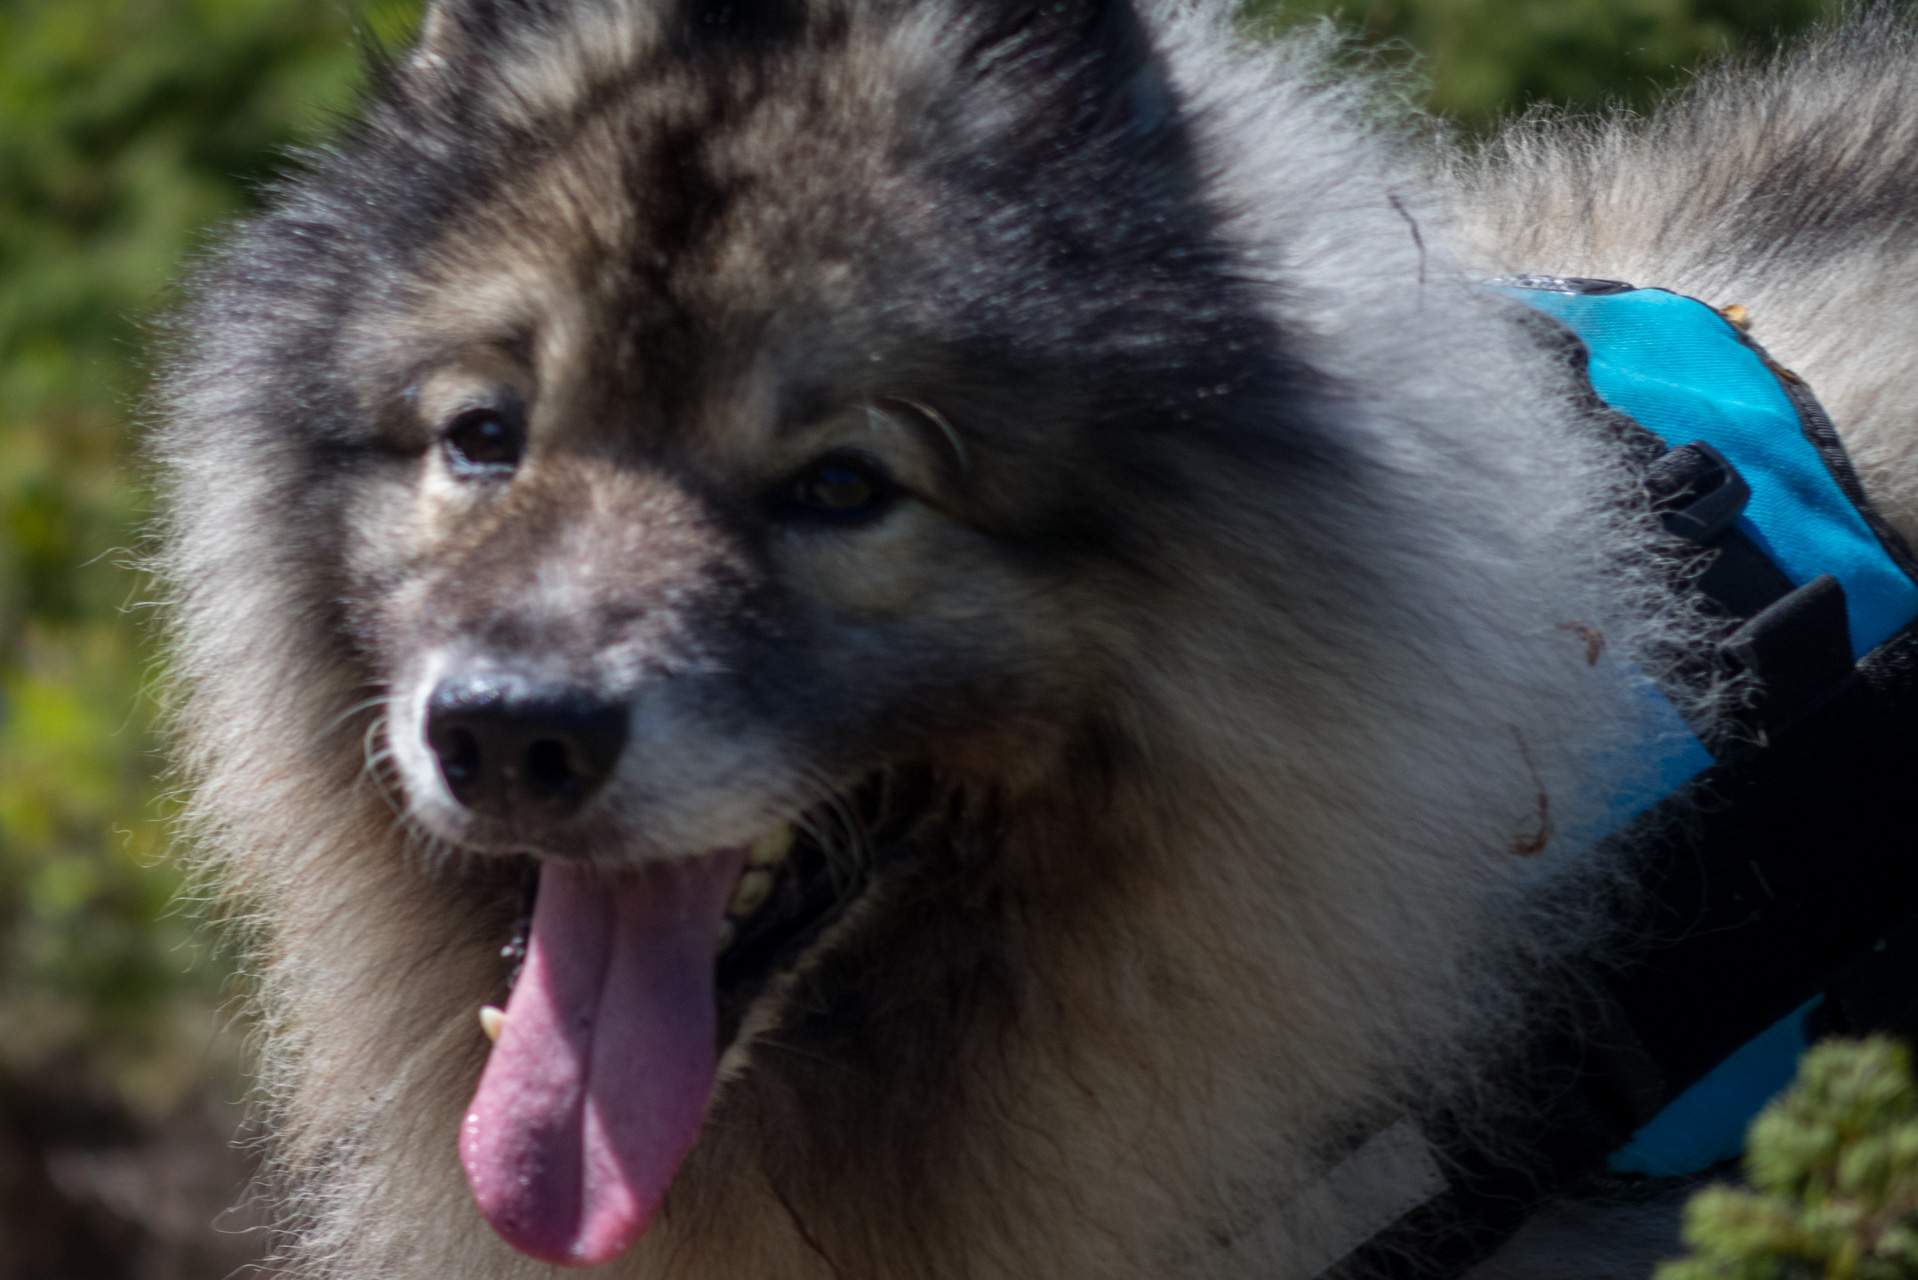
{"x": 1685, "y": 374}
{"x": 1774, "y": 854}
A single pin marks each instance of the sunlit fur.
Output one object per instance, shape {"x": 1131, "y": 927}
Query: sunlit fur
{"x": 1250, "y": 630}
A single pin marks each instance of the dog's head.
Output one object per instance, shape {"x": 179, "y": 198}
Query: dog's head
{"x": 746, "y": 447}
{"x": 754, "y": 402}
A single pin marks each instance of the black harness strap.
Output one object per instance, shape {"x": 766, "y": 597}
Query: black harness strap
{"x": 1782, "y": 874}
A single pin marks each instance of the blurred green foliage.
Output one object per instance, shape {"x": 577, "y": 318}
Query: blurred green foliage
{"x": 1483, "y": 59}
{"x": 128, "y": 128}
{"x": 1833, "y": 1168}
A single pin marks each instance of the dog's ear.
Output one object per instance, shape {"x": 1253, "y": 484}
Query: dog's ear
{"x": 480, "y": 51}
{"x": 1088, "y": 64}
{"x": 450, "y": 26}
{"x": 451, "y": 29}
{"x": 438, "y": 30}
{"x": 463, "y": 34}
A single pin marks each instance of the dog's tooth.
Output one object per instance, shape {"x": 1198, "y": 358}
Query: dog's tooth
{"x": 754, "y": 888}
{"x": 492, "y": 1021}
{"x": 727, "y": 932}
{"x": 770, "y": 849}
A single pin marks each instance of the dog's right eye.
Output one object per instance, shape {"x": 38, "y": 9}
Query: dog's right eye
{"x": 484, "y": 442}
{"x": 844, "y": 487}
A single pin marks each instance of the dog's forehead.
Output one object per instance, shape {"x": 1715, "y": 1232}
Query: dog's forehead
{"x": 668, "y": 187}
{"x": 526, "y": 67}
{"x": 866, "y": 206}
{"x": 689, "y": 216}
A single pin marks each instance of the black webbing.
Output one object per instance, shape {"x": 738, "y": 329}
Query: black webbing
{"x": 1774, "y": 870}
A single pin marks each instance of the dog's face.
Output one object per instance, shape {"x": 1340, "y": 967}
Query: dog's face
{"x": 728, "y": 422}
{"x": 752, "y": 444}
{"x": 732, "y": 579}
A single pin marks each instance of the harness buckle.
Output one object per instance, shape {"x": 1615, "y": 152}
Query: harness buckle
{"x": 1799, "y": 647}
{"x": 1696, "y": 492}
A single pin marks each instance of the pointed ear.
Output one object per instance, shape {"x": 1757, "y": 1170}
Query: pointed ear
{"x": 525, "y": 59}
{"x": 437, "y": 30}
{"x": 1088, "y": 63}
{"x": 444, "y": 26}
{"x": 449, "y": 29}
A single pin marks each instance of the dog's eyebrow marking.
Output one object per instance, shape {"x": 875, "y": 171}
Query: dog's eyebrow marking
{"x": 948, "y": 437}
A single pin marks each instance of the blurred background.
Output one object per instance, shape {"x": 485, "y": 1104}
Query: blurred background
{"x": 130, "y": 131}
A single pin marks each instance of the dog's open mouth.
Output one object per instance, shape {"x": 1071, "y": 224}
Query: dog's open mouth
{"x": 629, "y": 988}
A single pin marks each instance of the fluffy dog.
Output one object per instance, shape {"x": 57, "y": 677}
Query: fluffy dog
{"x": 1012, "y": 524}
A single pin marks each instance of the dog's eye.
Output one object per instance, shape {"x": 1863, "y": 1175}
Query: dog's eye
{"x": 848, "y": 487}
{"x": 486, "y": 441}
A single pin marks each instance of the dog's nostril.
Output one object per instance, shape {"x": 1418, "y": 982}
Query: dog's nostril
{"x": 548, "y": 770}
{"x": 460, "y": 761}
{"x": 506, "y": 742}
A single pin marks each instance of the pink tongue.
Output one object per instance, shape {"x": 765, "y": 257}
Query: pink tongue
{"x": 599, "y": 1084}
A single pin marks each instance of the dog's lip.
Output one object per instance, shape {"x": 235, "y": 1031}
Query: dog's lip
{"x": 785, "y": 909}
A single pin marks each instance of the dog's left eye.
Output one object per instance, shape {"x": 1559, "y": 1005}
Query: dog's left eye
{"x": 847, "y": 487}
{"x": 484, "y": 441}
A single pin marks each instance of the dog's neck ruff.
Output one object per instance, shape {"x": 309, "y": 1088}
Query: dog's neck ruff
{"x": 1779, "y": 896}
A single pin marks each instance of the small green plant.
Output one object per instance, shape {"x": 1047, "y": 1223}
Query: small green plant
{"x": 1833, "y": 1168}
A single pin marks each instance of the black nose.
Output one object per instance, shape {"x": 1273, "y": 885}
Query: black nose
{"x": 509, "y": 743}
